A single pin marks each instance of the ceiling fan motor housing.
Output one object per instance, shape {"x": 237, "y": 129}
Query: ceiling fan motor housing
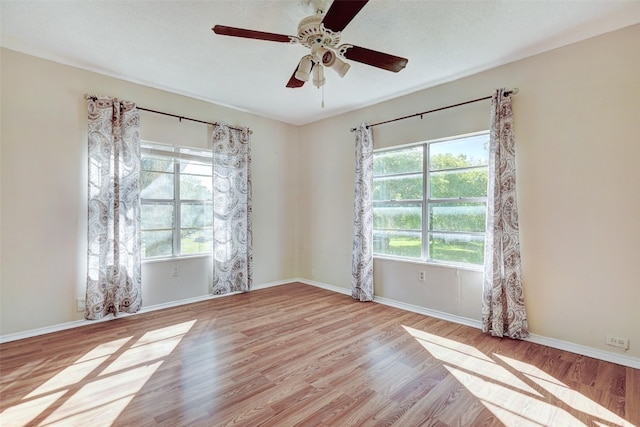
{"x": 311, "y": 32}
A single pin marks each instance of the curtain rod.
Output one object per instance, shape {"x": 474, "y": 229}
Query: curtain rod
{"x": 181, "y": 118}
{"x": 507, "y": 93}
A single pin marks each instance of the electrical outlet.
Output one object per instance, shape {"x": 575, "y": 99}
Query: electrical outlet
{"x": 617, "y": 341}
{"x": 422, "y": 276}
{"x": 80, "y": 304}
{"x": 175, "y": 271}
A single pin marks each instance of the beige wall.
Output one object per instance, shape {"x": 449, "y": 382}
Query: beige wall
{"x": 43, "y": 194}
{"x": 577, "y": 127}
{"x": 578, "y": 146}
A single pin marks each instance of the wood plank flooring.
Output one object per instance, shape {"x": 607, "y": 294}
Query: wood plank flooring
{"x": 298, "y": 355}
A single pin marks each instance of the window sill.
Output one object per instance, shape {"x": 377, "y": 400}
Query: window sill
{"x": 466, "y": 267}
{"x": 175, "y": 258}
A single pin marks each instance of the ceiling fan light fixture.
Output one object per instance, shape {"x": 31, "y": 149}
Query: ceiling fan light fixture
{"x": 321, "y": 34}
{"x": 322, "y": 54}
{"x": 330, "y": 60}
{"x": 340, "y": 67}
{"x": 304, "y": 68}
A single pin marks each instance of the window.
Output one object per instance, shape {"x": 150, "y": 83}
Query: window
{"x": 430, "y": 199}
{"x": 176, "y": 201}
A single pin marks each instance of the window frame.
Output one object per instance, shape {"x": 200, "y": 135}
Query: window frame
{"x": 428, "y": 201}
{"x": 176, "y": 153}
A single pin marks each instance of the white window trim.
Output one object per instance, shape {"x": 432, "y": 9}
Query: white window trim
{"x": 427, "y": 201}
{"x": 172, "y": 151}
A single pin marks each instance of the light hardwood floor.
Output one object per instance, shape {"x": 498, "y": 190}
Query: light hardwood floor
{"x": 299, "y": 355}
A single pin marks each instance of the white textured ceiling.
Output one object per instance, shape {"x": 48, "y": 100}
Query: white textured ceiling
{"x": 169, "y": 44}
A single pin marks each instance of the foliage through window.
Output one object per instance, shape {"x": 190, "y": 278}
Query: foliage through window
{"x": 430, "y": 199}
{"x": 176, "y": 201}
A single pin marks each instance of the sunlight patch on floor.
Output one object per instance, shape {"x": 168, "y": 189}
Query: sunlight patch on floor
{"x": 523, "y": 395}
{"x": 134, "y": 356}
{"x": 23, "y": 413}
{"x": 468, "y": 358}
{"x": 564, "y": 393}
{"x": 76, "y": 372}
{"x": 511, "y": 406}
{"x": 88, "y": 393}
{"x": 101, "y": 401}
{"x": 164, "y": 333}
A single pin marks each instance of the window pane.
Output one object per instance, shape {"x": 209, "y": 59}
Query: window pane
{"x": 466, "y": 248}
{"x": 156, "y": 164}
{"x": 196, "y": 215}
{"x": 398, "y": 243}
{"x": 398, "y": 216}
{"x": 398, "y": 188}
{"x": 204, "y": 156}
{"x": 193, "y": 187}
{"x": 458, "y": 153}
{"x": 398, "y": 161}
{"x": 156, "y": 185}
{"x": 196, "y": 241}
{"x": 157, "y": 243}
{"x": 156, "y": 215}
{"x": 458, "y": 183}
{"x": 457, "y": 216}
{"x": 195, "y": 168}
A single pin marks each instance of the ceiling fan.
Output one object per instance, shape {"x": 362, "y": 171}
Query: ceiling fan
{"x": 321, "y": 34}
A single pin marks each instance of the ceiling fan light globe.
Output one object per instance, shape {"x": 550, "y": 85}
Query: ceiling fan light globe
{"x": 340, "y": 67}
{"x": 304, "y": 69}
{"x": 326, "y": 56}
{"x": 303, "y": 77}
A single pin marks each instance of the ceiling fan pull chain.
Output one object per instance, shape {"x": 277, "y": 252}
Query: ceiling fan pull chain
{"x": 322, "y": 97}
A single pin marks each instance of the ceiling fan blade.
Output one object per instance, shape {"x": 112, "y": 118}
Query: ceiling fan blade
{"x": 341, "y": 12}
{"x": 294, "y": 83}
{"x": 373, "y": 58}
{"x": 251, "y": 34}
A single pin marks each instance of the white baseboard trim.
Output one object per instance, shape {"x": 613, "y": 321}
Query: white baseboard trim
{"x": 47, "y": 330}
{"x": 607, "y": 356}
{"x": 178, "y": 303}
{"x": 272, "y": 284}
{"x": 401, "y": 305}
{"x": 429, "y": 312}
{"x": 326, "y": 286}
{"x": 78, "y": 323}
{"x": 620, "y": 359}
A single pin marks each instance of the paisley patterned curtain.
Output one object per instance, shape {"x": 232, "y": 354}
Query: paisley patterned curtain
{"x": 113, "y": 270}
{"x": 232, "y": 240}
{"x": 362, "y": 257}
{"x": 503, "y": 311}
